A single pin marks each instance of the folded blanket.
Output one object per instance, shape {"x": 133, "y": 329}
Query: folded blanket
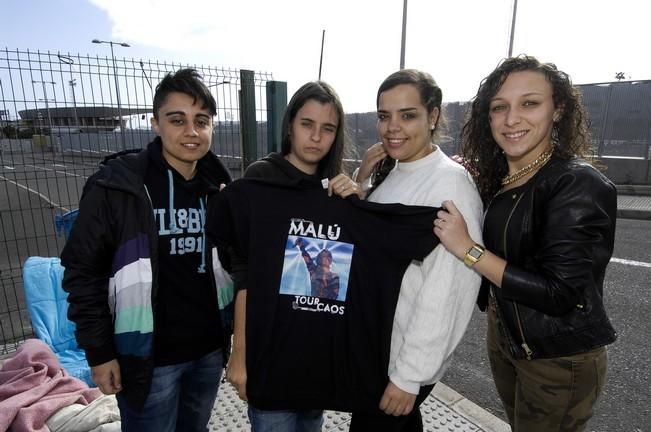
{"x": 33, "y": 386}
{"x": 101, "y": 415}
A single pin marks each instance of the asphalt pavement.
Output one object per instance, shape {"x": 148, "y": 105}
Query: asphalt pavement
{"x": 444, "y": 409}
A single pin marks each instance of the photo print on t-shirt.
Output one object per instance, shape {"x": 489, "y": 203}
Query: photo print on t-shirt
{"x": 316, "y": 267}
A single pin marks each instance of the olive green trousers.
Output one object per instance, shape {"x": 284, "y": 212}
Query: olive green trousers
{"x": 544, "y": 395}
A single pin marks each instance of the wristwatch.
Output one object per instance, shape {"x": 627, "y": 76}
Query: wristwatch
{"x": 473, "y": 255}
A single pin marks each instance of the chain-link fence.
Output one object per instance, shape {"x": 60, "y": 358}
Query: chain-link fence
{"x": 60, "y": 114}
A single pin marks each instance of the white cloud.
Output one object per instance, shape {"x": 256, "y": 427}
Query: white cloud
{"x": 458, "y": 42}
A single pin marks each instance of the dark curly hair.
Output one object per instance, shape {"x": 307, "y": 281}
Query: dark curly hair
{"x": 570, "y": 134}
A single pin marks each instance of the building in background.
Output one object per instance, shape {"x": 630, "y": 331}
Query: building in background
{"x": 80, "y": 119}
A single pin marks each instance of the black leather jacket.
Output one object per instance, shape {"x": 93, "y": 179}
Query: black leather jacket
{"x": 558, "y": 241}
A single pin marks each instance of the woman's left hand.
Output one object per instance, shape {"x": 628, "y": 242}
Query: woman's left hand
{"x": 451, "y": 229}
{"x": 397, "y": 402}
{"x": 344, "y": 186}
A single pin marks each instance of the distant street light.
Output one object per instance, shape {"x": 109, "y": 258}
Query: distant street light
{"x": 117, "y": 86}
{"x": 217, "y": 85}
{"x": 321, "y": 57}
{"x": 73, "y": 83}
{"x": 47, "y": 105}
{"x": 404, "y": 35}
{"x": 512, "y": 35}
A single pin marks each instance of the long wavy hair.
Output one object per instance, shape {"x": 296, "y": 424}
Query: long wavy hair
{"x": 322, "y": 92}
{"x": 570, "y": 134}
{"x": 431, "y": 97}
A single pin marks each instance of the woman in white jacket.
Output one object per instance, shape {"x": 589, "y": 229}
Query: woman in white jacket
{"x": 437, "y": 296}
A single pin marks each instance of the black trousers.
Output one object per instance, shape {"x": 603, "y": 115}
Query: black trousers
{"x": 388, "y": 423}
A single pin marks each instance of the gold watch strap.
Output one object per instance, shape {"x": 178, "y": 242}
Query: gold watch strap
{"x": 473, "y": 255}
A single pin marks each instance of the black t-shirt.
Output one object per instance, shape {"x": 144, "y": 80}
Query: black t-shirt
{"x": 496, "y": 217}
{"x": 186, "y": 318}
{"x": 305, "y": 351}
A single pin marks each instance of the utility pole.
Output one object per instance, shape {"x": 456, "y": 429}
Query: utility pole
{"x": 47, "y": 107}
{"x": 321, "y": 59}
{"x": 404, "y": 34}
{"x": 73, "y": 83}
{"x": 223, "y": 82}
{"x": 117, "y": 86}
{"x": 511, "y": 36}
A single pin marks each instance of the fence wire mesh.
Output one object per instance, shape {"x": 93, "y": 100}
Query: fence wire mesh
{"x": 60, "y": 115}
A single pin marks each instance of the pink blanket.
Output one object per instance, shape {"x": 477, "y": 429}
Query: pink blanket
{"x": 33, "y": 386}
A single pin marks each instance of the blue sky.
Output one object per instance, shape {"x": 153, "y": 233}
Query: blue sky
{"x": 64, "y": 25}
{"x": 457, "y": 41}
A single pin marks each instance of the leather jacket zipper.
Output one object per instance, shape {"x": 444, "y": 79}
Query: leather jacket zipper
{"x": 524, "y": 344}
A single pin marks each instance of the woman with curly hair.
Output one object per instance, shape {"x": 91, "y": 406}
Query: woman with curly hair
{"x": 549, "y": 231}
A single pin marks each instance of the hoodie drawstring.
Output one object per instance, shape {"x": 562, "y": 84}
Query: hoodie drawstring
{"x": 202, "y": 266}
{"x": 173, "y": 228}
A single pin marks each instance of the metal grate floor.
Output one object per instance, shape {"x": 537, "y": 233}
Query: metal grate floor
{"x": 229, "y": 415}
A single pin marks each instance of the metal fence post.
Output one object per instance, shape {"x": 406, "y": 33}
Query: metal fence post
{"x": 602, "y": 141}
{"x": 248, "y": 126}
{"x": 276, "y": 104}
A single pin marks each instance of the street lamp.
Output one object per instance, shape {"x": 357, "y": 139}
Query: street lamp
{"x": 47, "y": 105}
{"x": 217, "y": 85}
{"x": 512, "y": 34}
{"x": 117, "y": 87}
{"x": 404, "y": 35}
{"x": 73, "y": 83}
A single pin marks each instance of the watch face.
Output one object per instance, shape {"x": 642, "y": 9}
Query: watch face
{"x": 475, "y": 252}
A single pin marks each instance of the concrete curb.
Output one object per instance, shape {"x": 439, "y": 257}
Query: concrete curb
{"x": 634, "y": 214}
{"x": 473, "y": 412}
{"x": 634, "y": 206}
{"x": 639, "y": 190}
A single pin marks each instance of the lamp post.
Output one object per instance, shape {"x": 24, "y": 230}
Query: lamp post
{"x": 217, "y": 85}
{"x": 403, "y": 41}
{"x": 47, "y": 105}
{"x": 512, "y": 34}
{"x": 321, "y": 58}
{"x": 117, "y": 87}
{"x": 73, "y": 83}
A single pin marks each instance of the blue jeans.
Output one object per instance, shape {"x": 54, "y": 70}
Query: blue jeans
{"x": 285, "y": 420}
{"x": 180, "y": 399}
